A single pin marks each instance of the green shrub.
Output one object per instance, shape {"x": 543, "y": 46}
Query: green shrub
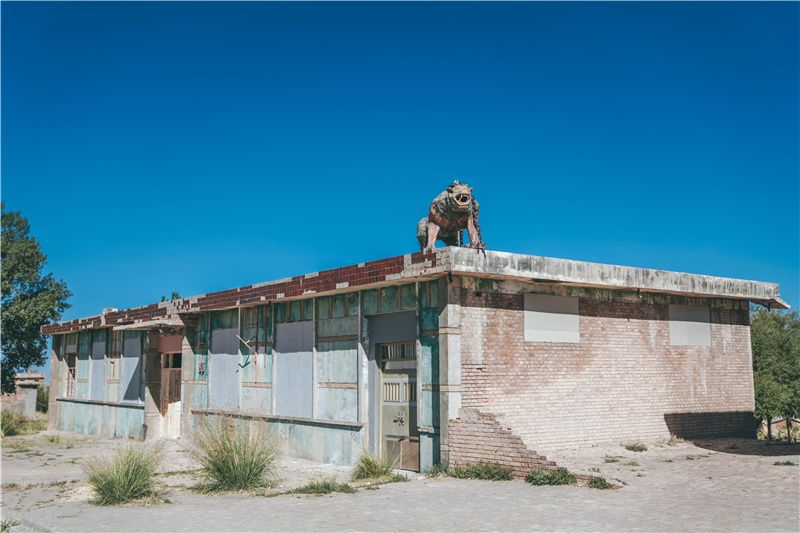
{"x": 53, "y": 438}
{"x": 784, "y": 463}
{"x": 323, "y": 486}
{"x": 42, "y": 397}
{"x": 636, "y": 447}
{"x": 13, "y": 423}
{"x": 482, "y": 470}
{"x": 559, "y": 476}
{"x": 232, "y": 458}
{"x": 371, "y": 467}
{"x": 127, "y": 475}
{"x": 7, "y": 523}
{"x": 597, "y": 482}
{"x": 10, "y": 423}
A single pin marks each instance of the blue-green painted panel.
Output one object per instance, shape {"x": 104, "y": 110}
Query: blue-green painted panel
{"x": 429, "y": 319}
{"x": 389, "y": 299}
{"x": 429, "y": 359}
{"x": 369, "y": 302}
{"x": 256, "y": 400}
{"x": 408, "y": 297}
{"x": 336, "y": 404}
{"x": 200, "y": 395}
{"x": 337, "y": 327}
{"x": 337, "y": 362}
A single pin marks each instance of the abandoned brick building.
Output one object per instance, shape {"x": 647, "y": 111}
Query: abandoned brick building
{"x": 453, "y": 356}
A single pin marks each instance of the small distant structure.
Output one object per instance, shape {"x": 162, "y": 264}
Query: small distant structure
{"x": 23, "y": 401}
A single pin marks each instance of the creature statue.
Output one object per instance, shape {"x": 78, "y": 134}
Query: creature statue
{"x": 453, "y": 211}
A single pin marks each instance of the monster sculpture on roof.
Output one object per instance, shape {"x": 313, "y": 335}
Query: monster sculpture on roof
{"x": 453, "y": 211}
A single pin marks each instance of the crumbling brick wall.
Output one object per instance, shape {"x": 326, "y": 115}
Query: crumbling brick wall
{"x": 479, "y": 436}
{"x": 622, "y": 381}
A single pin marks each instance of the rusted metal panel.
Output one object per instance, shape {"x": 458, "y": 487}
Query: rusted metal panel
{"x": 169, "y": 344}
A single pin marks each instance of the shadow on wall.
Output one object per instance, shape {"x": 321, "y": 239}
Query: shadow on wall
{"x": 711, "y": 424}
{"x": 726, "y": 432}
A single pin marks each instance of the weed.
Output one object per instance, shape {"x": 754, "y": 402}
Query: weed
{"x": 231, "y": 458}
{"x": 632, "y": 463}
{"x": 371, "y": 467}
{"x": 597, "y": 482}
{"x": 594, "y": 469}
{"x": 559, "y": 476}
{"x": 7, "y": 523}
{"x": 9, "y": 486}
{"x": 323, "y": 486}
{"x": 784, "y": 463}
{"x": 58, "y": 483}
{"x": 482, "y": 470}
{"x": 437, "y": 470}
{"x": 667, "y": 461}
{"x": 674, "y": 440}
{"x": 128, "y": 475}
{"x": 10, "y": 423}
{"x": 611, "y": 459}
{"x": 53, "y": 438}
{"x": 636, "y": 447}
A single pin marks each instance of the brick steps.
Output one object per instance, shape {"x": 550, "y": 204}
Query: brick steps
{"x": 479, "y": 436}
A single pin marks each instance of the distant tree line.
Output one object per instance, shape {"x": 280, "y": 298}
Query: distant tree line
{"x": 776, "y": 366}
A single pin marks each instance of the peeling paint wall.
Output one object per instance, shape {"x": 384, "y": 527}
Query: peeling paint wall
{"x": 430, "y": 299}
{"x": 106, "y": 398}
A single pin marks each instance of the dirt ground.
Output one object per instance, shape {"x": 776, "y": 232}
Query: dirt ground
{"x": 715, "y": 485}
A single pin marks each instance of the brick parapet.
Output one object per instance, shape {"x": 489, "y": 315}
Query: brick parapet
{"x": 383, "y": 271}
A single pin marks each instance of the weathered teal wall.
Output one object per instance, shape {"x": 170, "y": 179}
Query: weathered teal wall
{"x": 101, "y": 419}
{"x": 315, "y": 441}
{"x": 429, "y": 297}
{"x": 255, "y": 361}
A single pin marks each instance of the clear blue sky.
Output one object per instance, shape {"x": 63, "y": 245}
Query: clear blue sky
{"x": 196, "y": 147}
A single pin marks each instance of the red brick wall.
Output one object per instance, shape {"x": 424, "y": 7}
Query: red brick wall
{"x": 623, "y": 381}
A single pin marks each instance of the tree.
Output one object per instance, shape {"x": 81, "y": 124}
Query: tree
{"x": 776, "y": 362}
{"x": 770, "y": 399}
{"x": 29, "y": 299}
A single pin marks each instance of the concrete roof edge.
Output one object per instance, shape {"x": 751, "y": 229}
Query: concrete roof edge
{"x": 540, "y": 268}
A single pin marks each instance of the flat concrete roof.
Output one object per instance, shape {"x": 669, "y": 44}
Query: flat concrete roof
{"x": 455, "y": 260}
{"x": 581, "y": 273}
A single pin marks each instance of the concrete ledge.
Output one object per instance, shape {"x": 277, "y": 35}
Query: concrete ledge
{"x": 280, "y": 418}
{"x": 506, "y": 265}
{"x": 135, "y": 405}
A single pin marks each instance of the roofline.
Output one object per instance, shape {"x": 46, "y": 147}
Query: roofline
{"x": 418, "y": 266}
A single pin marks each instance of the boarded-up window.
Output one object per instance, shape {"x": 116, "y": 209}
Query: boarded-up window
{"x": 223, "y": 361}
{"x": 97, "y": 372}
{"x": 294, "y": 368}
{"x": 551, "y": 318}
{"x": 132, "y": 365}
{"x": 689, "y": 325}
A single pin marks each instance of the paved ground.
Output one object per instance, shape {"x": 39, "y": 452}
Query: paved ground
{"x": 721, "y": 485}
